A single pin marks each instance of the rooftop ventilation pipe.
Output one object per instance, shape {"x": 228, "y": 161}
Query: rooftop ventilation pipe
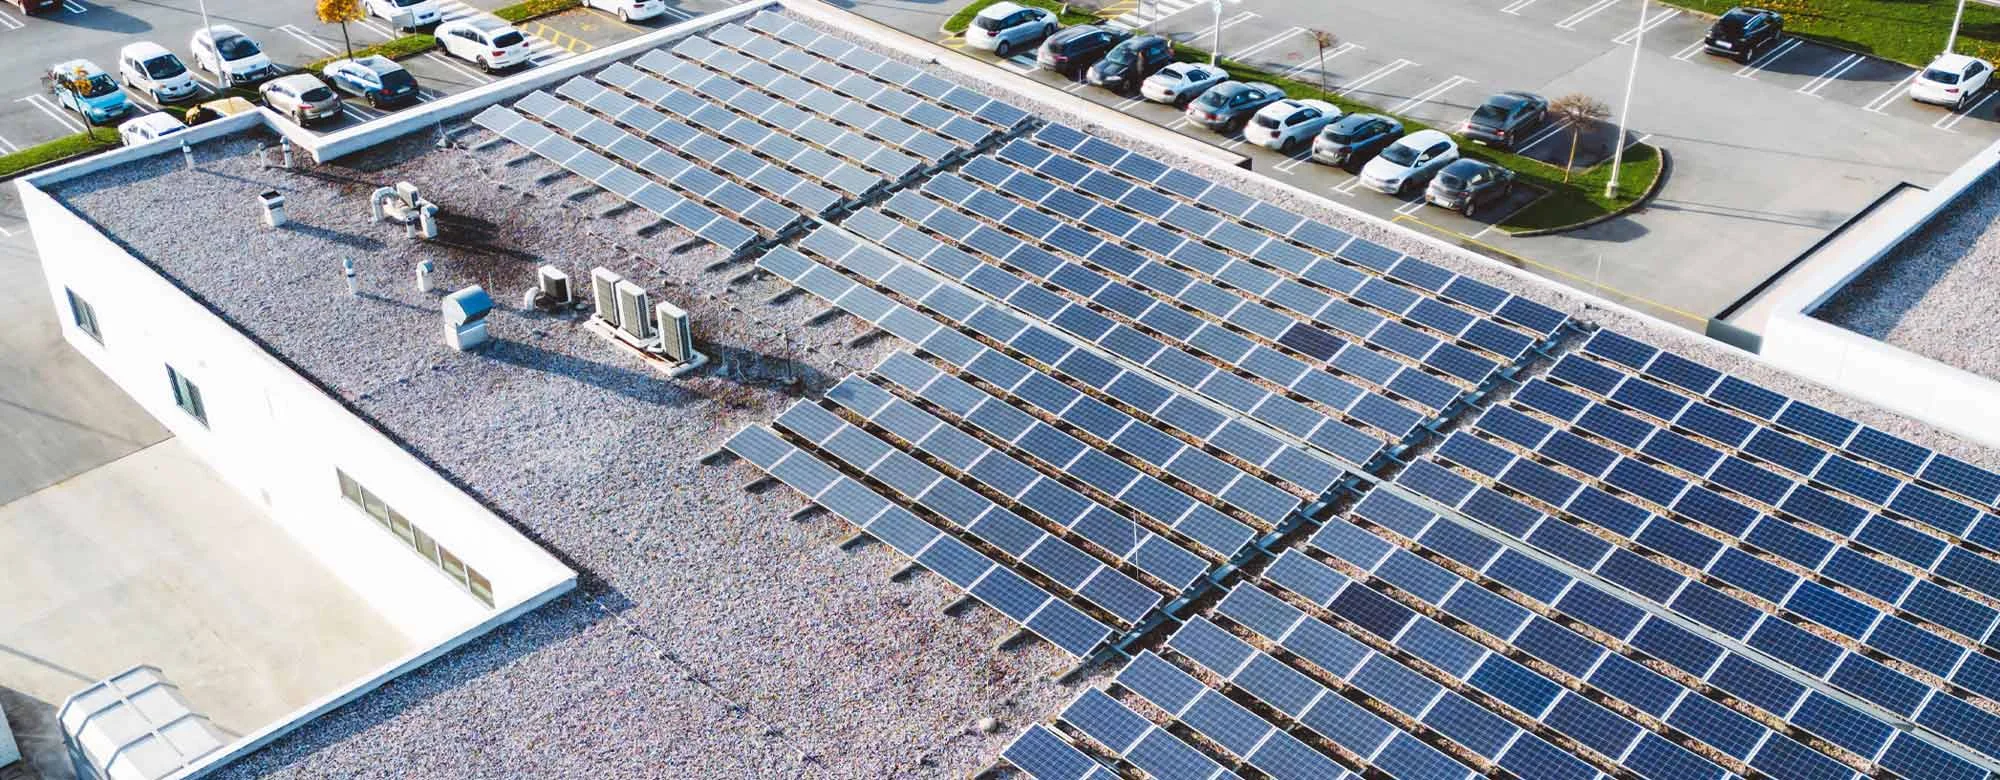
{"x": 347, "y": 269}
{"x": 274, "y": 207}
{"x": 424, "y": 270}
{"x": 465, "y": 317}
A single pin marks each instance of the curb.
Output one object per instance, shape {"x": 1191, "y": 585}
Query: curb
{"x": 47, "y": 164}
{"x": 1652, "y": 190}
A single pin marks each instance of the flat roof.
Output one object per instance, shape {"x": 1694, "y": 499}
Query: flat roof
{"x": 710, "y": 631}
{"x": 1936, "y": 292}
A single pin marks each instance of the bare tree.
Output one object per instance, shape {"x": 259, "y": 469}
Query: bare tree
{"x": 1323, "y": 39}
{"x": 1580, "y": 111}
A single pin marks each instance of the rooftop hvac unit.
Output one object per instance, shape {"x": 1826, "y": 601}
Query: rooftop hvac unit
{"x": 635, "y": 312}
{"x": 554, "y": 285}
{"x": 676, "y": 334}
{"x": 603, "y": 290}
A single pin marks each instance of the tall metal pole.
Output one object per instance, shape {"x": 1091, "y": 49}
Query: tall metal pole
{"x": 1215, "y": 47}
{"x": 222, "y": 73}
{"x": 1625, "y": 112}
{"x": 1951, "y": 39}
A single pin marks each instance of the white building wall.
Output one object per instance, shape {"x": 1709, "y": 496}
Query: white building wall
{"x": 276, "y": 438}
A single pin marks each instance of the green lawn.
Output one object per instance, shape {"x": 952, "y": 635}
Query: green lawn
{"x": 963, "y": 19}
{"x": 407, "y": 46}
{"x": 1908, "y": 31}
{"x": 1567, "y": 203}
{"x": 61, "y": 148}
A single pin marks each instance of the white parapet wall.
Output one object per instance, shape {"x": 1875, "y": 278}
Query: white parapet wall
{"x": 1874, "y": 370}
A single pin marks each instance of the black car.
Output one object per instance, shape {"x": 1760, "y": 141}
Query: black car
{"x": 1353, "y": 139}
{"x": 1070, "y": 51}
{"x": 1226, "y": 107}
{"x": 1468, "y": 184}
{"x": 1129, "y": 63}
{"x": 1504, "y": 119}
{"x": 1744, "y": 33}
{"x": 37, "y": 6}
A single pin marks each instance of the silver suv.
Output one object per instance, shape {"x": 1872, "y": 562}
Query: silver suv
{"x": 1005, "y": 28}
{"x": 302, "y": 97}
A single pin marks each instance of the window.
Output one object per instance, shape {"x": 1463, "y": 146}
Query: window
{"x": 187, "y": 396}
{"x": 413, "y": 537}
{"x": 85, "y": 316}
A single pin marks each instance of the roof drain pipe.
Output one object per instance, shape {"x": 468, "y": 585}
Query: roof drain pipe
{"x": 427, "y": 220}
{"x": 375, "y": 201}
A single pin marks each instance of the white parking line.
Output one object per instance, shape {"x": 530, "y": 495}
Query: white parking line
{"x": 1297, "y": 160}
{"x": 1373, "y": 76}
{"x": 1951, "y": 120}
{"x": 141, "y": 98}
{"x": 1161, "y": 9}
{"x": 1692, "y": 49}
{"x": 1516, "y": 6}
{"x": 75, "y": 7}
{"x": 1128, "y": 103}
{"x": 1210, "y": 33}
{"x": 678, "y": 13}
{"x": 1019, "y": 63}
{"x": 1891, "y": 95}
{"x": 1265, "y": 44}
{"x": 1179, "y": 122}
{"x": 1411, "y": 207}
{"x": 8, "y": 146}
{"x": 47, "y": 106}
{"x": 1830, "y": 75}
{"x": 1750, "y": 71}
{"x": 1626, "y": 38}
{"x": 11, "y": 23}
{"x": 1538, "y": 138}
{"x": 379, "y": 28}
{"x": 469, "y": 73}
{"x": 1319, "y": 63}
{"x": 1428, "y": 95}
{"x": 303, "y": 37}
{"x": 1347, "y": 187}
{"x": 1571, "y": 21}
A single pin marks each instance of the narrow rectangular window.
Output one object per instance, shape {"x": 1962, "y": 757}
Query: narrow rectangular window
{"x": 426, "y": 546}
{"x": 85, "y": 316}
{"x": 481, "y": 589}
{"x": 452, "y": 566}
{"x": 349, "y": 489}
{"x": 187, "y": 396}
{"x": 411, "y": 535}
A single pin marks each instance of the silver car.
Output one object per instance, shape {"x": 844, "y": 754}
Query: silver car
{"x": 302, "y": 97}
{"x": 1004, "y": 28}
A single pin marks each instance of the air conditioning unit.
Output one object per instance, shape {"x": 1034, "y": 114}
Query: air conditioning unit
{"x": 603, "y": 289}
{"x": 635, "y": 312}
{"x": 676, "y": 334}
{"x": 554, "y": 285}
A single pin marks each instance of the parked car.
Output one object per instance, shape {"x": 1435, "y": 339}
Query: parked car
{"x": 229, "y": 54}
{"x": 1504, "y": 119}
{"x": 1128, "y": 64}
{"x": 1354, "y": 139}
{"x": 1226, "y": 107}
{"x": 1004, "y": 28}
{"x": 216, "y": 109}
{"x": 629, "y": 10}
{"x": 149, "y": 68}
{"x": 32, "y": 7}
{"x": 491, "y": 44}
{"x": 301, "y": 96}
{"x": 1468, "y": 185}
{"x": 1180, "y": 82}
{"x": 1952, "y": 80}
{"x": 1289, "y": 125}
{"x": 81, "y": 86}
{"x": 406, "y": 14}
{"x": 148, "y": 128}
{"x": 1410, "y": 162}
{"x": 377, "y": 79}
{"x": 1744, "y": 33}
{"x": 1070, "y": 51}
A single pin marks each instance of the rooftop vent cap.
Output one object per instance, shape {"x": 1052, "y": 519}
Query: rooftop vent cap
{"x": 467, "y": 306}
{"x": 274, "y": 207}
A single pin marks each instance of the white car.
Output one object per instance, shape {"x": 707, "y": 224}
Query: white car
{"x": 229, "y": 54}
{"x": 1180, "y": 82}
{"x": 1288, "y": 125}
{"x": 149, "y": 68}
{"x": 1409, "y": 163}
{"x": 1004, "y": 28}
{"x": 629, "y": 10}
{"x": 491, "y": 44}
{"x": 1951, "y": 80}
{"x": 406, "y": 14}
{"x": 150, "y": 127}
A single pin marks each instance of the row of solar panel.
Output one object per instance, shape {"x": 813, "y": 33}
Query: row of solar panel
{"x": 746, "y": 163}
{"x": 1095, "y": 257}
{"x": 1045, "y": 755}
{"x": 1137, "y": 741}
{"x": 744, "y": 131}
{"x": 695, "y": 179}
{"x": 997, "y": 113}
{"x": 1043, "y": 495}
{"x": 1028, "y": 604}
{"x": 1235, "y": 208}
{"x": 1183, "y": 235}
{"x": 654, "y": 198}
{"x": 1684, "y": 649}
{"x": 1832, "y": 430}
{"x": 1124, "y": 598}
{"x": 1082, "y": 325}
{"x": 1843, "y": 564}
{"x": 1153, "y": 401}
{"x": 1116, "y": 305}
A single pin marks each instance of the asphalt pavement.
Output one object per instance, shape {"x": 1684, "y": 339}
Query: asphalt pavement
{"x": 1767, "y": 156}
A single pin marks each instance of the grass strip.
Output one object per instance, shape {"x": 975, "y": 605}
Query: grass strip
{"x": 535, "y": 9}
{"x": 1907, "y": 31}
{"x": 963, "y": 19}
{"x": 64, "y": 148}
{"x": 407, "y": 46}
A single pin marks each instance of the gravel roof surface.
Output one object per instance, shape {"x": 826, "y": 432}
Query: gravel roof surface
{"x": 1936, "y": 293}
{"x": 712, "y": 635}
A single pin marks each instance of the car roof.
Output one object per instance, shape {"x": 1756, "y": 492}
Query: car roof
{"x": 1073, "y": 33}
{"x": 1000, "y": 9}
{"x": 379, "y": 63}
{"x": 1465, "y": 165}
{"x": 1423, "y": 138}
{"x": 1352, "y": 121}
{"x": 1506, "y": 100}
{"x": 155, "y": 119}
{"x": 89, "y": 68}
{"x": 1954, "y": 61}
{"x": 143, "y": 49}
{"x": 1743, "y": 12}
{"x": 218, "y": 31}
{"x": 299, "y": 81}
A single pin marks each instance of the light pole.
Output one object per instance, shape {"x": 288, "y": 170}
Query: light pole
{"x": 1625, "y": 112}
{"x": 221, "y": 73}
{"x": 1215, "y": 45}
{"x": 1952, "y": 39}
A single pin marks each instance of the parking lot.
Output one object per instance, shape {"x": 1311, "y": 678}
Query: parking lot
{"x": 1766, "y": 156}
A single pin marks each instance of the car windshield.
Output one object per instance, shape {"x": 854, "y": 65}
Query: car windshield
{"x": 1338, "y": 135}
{"x": 1941, "y": 76}
{"x": 1266, "y": 120}
{"x": 1489, "y": 114}
{"x": 165, "y": 66}
{"x": 1120, "y": 56}
{"x": 397, "y": 79}
{"x": 1450, "y": 180}
{"x": 236, "y": 47}
{"x": 405, "y": 3}
{"x": 317, "y": 94}
{"x": 98, "y": 86}
{"x": 1731, "y": 23}
{"x": 1400, "y": 154}
{"x": 1217, "y": 97}
{"x": 507, "y": 39}
{"x": 990, "y": 22}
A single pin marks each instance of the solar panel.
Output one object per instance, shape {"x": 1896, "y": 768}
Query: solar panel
{"x": 1043, "y": 755}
